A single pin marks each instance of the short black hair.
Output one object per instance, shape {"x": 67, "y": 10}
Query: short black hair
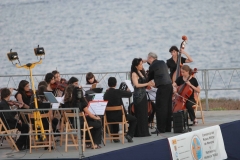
{"x": 72, "y": 80}
{"x": 5, "y": 92}
{"x": 173, "y": 48}
{"x": 49, "y": 77}
{"x": 112, "y": 81}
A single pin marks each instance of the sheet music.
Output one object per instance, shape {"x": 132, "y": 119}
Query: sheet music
{"x": 152, "y": 93}
{"x": 98, "y": 97}
{"x": 60, "y": 99}
{"x": 129, "y": 84}
{"x": 97, "y": 107}
{"x": 55, "y": 105}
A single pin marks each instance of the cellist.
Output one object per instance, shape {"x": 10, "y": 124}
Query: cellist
{"x": 172, "y": 62}
{"x": 187, "y": 78}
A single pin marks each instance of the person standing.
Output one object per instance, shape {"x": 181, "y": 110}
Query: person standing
{"x": 140, "y": 98}
{"x": 158, "y": 72}
{"x": 172, "y": 62}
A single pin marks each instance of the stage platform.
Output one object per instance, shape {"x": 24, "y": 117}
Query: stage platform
{"x": 211, "y": 118}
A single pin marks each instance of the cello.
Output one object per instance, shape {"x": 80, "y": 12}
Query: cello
{"x": 177, "y": 73}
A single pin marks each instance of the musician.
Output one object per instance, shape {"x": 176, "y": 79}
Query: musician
{"x": 159, "y": 72}
{"x": 73, "y": 81}
{"x": 72, "y": 100}
{"x": 21, "y": 95}
{"x": 41, "y": 101}
{"x": 172, "y": 62}
{"x": 90, "y": 78}
{"x": 11, "y": 121}
{"x": 49, "y": 78}
{"x": 192, "y": 82}
{"x": 58, "y": 80}
{"x": 114, "y": 98}
{"x": 140, "y": 98}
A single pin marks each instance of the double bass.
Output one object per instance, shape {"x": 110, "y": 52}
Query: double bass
{"x": 184, "y": 91}
{"x": 177, "y": 73}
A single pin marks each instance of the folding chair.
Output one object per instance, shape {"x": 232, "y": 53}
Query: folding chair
{"x": 69, "y": 128}
{"x": 198, "y": 105}
{"x": 4, "y": 130}
{"x": 40, "y": 143}
{"x": 112, "y": 136}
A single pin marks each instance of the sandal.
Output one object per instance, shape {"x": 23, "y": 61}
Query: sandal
{"x": 96, "y": 147}
{"x": 88, "y": 145}
{"x": 195, "y": 122}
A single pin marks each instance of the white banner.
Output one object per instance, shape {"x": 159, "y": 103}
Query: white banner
{"x": 204, "y": 144}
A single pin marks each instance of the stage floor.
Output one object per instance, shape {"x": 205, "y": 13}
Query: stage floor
{"x": 211, "y": 118}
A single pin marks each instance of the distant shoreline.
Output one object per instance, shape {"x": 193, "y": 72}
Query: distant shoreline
{"x": 216, "y": 104}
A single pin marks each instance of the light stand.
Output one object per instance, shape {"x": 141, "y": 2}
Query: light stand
{"x": 12, "y": 56}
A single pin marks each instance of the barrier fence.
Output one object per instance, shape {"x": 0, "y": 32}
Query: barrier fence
{"x": 211, "y": 81}
{"x": 77, "y": 133}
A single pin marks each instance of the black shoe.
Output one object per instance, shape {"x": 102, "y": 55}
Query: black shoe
{"x": 47, "y": 148}
{"x": 116, "y": 140}
{"x": 129, "y": 138}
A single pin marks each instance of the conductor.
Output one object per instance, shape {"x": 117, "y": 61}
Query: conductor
{"x": 158, "y": 71}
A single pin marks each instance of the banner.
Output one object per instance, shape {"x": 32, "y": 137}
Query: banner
{"x": 204, "y": 144}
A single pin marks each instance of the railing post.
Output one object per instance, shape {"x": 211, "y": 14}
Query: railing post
{"x": 80, "y": 151}
{"x": 206, "y": 89}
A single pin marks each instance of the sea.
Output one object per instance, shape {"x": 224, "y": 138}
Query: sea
{"x": 80, "y": 36}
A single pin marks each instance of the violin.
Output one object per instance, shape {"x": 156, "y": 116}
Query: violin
{"x": 177, "y": 73}
{"x": 63, "y": 81}
{"x": 58, "y": 85}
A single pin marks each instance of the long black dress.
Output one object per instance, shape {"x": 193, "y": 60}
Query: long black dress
{"x": 141, "y": 109}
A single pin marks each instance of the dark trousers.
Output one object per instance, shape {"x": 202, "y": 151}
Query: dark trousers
{"x": 189, "y": 105}
{"x": 132, "y": 121}
{"x": 23, "y": 140}
{"x": 96, "y": 131}
{"x": 164, "y": 107}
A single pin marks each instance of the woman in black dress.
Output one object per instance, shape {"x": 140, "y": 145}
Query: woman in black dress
{"x": 21, "y": 95}
{"x": 187, "y": 78}
{"x": 139, "y": 97}
{"x": 75, "y": 99}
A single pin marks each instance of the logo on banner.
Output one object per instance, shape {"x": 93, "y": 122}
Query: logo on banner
{"x": 196, "y": 148}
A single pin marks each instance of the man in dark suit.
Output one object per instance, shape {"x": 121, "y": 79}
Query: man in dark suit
{"x": 158, "y": 72}
{"x": 11, "y": 122}
{"x": 114, "y": 98}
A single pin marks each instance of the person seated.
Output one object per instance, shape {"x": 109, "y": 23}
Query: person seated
{"x": 90, "y": 78}
{"x": 42, "y": 104}
{"x": 74, "y": 81}
{"x": 51, "y": 85}
{"x": 74, "y": 98}
{"x": 11, "y": 120}
{"x": 59, "y": 81}
{"x": 114, "y": 98}
{"x": 21, "y": 95}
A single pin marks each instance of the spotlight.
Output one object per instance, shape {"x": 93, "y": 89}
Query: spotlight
{"x": 12, "y": 56}
{"x": 39, "y": 51}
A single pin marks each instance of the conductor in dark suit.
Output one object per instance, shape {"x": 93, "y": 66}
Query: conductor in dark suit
{"x": 114, "y": 98}
{"x": 158, "y": 72}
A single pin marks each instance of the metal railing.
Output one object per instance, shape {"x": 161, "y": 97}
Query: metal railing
{"x": 78, "y": 132}
{"x": 210, "y": 80}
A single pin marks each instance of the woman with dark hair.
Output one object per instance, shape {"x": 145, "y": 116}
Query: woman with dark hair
{"x": 72, "y": 100}
{"x": 49, "y": 78}
{"x": 21, "y": 95}
{"x": 172, "y": 62}
{"x": 74, "y": 81}
{"x": 90, "y": 78}
{"x": 139, "y": 97}
{"x": 187, "y": 78}
{"x": 59, "y": 82}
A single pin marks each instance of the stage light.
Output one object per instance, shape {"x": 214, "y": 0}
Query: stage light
{"x": 12, "y": 56}
{"x": 39, "y": 51}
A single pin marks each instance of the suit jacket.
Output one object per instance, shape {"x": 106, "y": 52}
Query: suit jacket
{"x": 8, "y": 118}
{"x": 159, "y": 72}
{"x": 114, "y": 98}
